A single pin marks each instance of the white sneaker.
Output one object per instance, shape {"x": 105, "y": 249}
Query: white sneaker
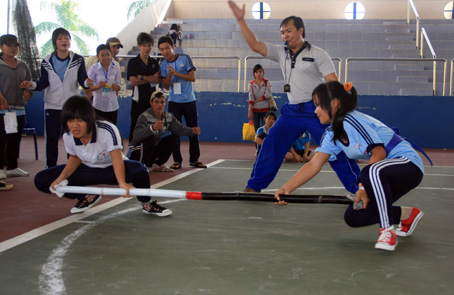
{"x": 2, "y": 174}
{"x": 162, "y": 168}
{"x": 16, "y": 173}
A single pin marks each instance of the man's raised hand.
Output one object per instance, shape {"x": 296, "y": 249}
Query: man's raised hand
{"x": 237, "y": 12}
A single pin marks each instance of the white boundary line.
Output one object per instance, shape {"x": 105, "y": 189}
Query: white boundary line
{"x": 51, "y": 278}
{"x": 322, "y": 171}
{"x": 13, "y": 242}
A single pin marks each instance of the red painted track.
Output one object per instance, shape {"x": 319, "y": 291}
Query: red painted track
{"x": 24, "y": 208}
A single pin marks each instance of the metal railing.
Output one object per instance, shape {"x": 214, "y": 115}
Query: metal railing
{"x": 425, "y": 37}
{"x": 225, "y": 57}
{"x": 415, "y": 11}
{"x": 434, "y": 87}
{"x": 339, "y": 60}
{"x": 203, "y": 57}
{"x": 451, "y": 82}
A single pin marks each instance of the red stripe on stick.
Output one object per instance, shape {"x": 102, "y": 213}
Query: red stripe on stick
{"x": 194, "y": 195}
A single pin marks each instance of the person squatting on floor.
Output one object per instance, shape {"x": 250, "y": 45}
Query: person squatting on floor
{"x": 304, "y": 66}
{"x": 394, "y": 166}
{"x": 95, "y": 157}
{"x": 262, "y": 132}
{"x": 300, "y": 151}
{"x": 149, "y": 145}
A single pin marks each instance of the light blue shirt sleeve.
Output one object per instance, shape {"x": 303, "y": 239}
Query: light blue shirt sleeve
{"x": 327, "y": 145}
{"x": 164, "y": 69}
{"x": 183, "y": 65}
{"x": 260, "y": 131}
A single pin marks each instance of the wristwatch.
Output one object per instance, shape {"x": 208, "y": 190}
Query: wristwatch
{"x": 141, "y": 77}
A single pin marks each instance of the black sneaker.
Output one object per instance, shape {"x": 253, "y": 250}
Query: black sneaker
{"x": 155, "y": 209}
{"x": 85, "y": 204}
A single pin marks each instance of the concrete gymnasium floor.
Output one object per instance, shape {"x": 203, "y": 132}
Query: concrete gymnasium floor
{"x": 220, "y": 247}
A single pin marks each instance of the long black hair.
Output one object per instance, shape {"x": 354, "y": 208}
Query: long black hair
{"x": 325, "y": 93}
{"x": 78, "y": 107}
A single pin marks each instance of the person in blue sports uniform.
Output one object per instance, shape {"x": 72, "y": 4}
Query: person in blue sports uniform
{"x": 178, "y": 74}
{"x": 300, "y": 152}
{"x": 394, "y": 166}
{"x": 95, "y": 157}
{"x": 304, "y": 66}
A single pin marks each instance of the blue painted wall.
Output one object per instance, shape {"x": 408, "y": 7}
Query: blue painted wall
{"x": 427, "y": 121}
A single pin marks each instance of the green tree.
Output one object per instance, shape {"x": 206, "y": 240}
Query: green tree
{"x": 136, "y": 7}
{"x": 68, "y": 19}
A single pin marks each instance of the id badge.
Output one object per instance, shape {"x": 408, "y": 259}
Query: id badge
{"x": 106, "y": 90}
{"x": 10, "y": 122}
{"x": 287, "y": 88}
{"x": 176, "y": 88}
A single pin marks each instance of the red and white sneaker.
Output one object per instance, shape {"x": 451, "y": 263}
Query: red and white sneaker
{"x": 387, "y": 240}
{"x": 407, "y": 226}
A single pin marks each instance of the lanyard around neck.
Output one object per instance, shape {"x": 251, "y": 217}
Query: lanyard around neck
{"x": 292, "y": 58}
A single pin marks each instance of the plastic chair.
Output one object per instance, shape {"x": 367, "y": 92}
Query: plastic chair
{"x": 28, "y": 129}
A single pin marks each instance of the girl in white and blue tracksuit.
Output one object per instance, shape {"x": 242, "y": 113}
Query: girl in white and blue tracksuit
{"x": 61, "y": 79}
{"x": 394, "y": 167}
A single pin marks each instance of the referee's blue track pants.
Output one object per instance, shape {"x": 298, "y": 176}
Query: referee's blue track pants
{"x": 293, "y": 121}
{"x": 135, "y": 173}
{"x": 385, "y": 182}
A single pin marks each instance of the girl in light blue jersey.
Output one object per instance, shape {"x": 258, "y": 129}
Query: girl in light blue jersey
{"x": 394, "y": 166}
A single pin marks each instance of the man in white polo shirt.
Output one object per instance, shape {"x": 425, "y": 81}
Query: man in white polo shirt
{"x": 304, "y": 67}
